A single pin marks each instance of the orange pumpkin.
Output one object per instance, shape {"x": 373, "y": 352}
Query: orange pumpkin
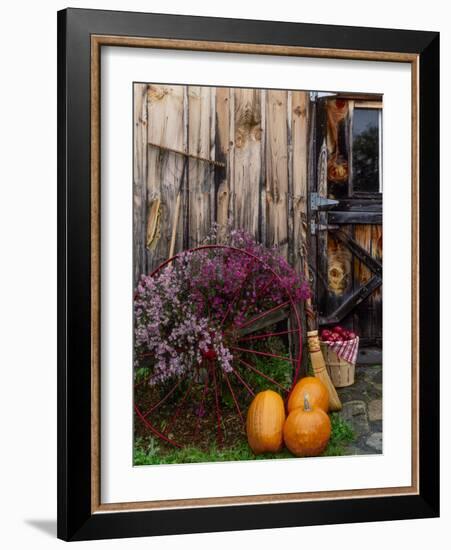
{"x": 316, "y": 390}
{"x": 307, "y": 430}
{"x": 264, "y": 425}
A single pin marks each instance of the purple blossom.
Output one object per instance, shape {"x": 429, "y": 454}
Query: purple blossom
{"x": 181, "y": 312}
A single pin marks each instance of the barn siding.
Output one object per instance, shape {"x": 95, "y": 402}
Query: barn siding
{"x": 165, "y": 108}
{"x": 201, "y": 183}
{"x": 277, "y": 211}
{"x": 260, "y": 135}
{"x": 222, "y": 147}
{"x": 139, "y": 179}
{"x": 248, "y": 159}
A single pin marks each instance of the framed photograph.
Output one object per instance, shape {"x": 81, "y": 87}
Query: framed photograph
{"x": 225, "y": 290}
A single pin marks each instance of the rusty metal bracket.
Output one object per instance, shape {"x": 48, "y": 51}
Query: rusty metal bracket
{"x": 317, "y": 202}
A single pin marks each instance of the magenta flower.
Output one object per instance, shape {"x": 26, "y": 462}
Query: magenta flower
{"x": 182, "y": 312}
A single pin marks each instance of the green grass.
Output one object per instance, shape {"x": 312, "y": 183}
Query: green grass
{"x": 148, "y": 451}
{"x": 151, "y": 450}
{"x": 278, "y": 369}
{"x": 151, "y": 455}
{"x": 342, "y": 435}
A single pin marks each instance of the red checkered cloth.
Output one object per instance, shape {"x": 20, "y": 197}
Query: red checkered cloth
{"x": 346, "y": 349}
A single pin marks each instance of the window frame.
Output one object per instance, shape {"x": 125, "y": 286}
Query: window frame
{"x": 366, "y": 104}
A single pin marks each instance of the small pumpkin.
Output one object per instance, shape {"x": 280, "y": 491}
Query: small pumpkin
{"x": 307, "y": 430}
{"x": 264, "y": 423}
{"x": 316, "y": 390}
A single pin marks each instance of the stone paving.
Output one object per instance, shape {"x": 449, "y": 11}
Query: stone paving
{"x": 362, "y": 408}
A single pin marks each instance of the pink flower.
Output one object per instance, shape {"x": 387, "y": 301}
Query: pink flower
{"x": 180, "y": 313}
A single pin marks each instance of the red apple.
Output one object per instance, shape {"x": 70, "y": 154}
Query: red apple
{"x": 325, "y": 335}
{"x": 352, "y": 335}
{"x": 338, "y": 329}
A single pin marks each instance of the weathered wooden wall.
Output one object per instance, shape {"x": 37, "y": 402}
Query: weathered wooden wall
{"x": 270, "y": 151}
{"x": 260, "y": 135}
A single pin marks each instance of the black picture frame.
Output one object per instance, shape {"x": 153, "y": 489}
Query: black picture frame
{"x": 75, "y": 518}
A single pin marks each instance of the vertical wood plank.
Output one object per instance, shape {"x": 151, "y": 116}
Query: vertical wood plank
{"x": 290, "y": 211}
{"x": 186, "y": 170}
{"x": 300, "y": 135}
{"x": 247, "y": 160}
{"x": 262, "y": 185}
{"x": 165, "y": 115}
{"x": 222, "y": 147}
{"x": 277, "y": 171}
{"x": 231, "y": 157}
{"x": 322, "y": 260}
{"x": 312, "y": 187}
{"x": 139, "y": 179}
{"x": 213, "y": 169}
{"x": 299, "y": 131}
{"x": 200, "y": 173}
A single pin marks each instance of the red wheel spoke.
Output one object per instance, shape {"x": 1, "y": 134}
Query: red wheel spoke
{"x": 178, "y": 409}
{"x": 264, "y": 353}
{"x": 238, "y": 292}
{"x": 268, "y": 335}
{"x": 154, "y": 430}
{"x": 246, "y": 364}
{"x": 218, "y": 408}
{"x": 245, "y": 384}
{"x": 204, "y": 396}
{"x": 164, "y": 398}
{"x": 260, "y": 293}
{"x": 234, "y": 397}
{"x": 264, "y": 314}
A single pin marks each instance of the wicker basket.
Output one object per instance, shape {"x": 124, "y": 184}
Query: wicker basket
{"x": 340, "y": 371}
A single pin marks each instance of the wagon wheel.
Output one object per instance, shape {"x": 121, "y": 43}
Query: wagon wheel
{"x": 184, "y": 410}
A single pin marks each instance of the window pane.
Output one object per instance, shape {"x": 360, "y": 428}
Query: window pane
{"x": 365, "y": 150}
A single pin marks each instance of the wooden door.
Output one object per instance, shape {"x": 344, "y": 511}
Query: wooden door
{"x": 346, "y": 214}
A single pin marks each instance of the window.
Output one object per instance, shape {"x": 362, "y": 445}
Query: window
{"x": 367, "y": 149}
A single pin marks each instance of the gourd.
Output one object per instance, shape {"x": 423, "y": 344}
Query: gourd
{"x": 307, "y": 430}
{"x": 316, "y": 390}
{"x": 264, "y": 423}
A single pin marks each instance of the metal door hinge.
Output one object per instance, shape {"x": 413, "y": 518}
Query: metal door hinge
{"x": 318, "y": 95}
{"x": 321, "y": 203}
{"x": 315, "y": 227}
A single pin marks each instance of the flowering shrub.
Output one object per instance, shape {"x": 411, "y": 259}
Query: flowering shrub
{"x": 184, "y": 312}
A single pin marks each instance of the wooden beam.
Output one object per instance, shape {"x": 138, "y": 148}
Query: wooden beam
{"x": 361, "y": 253}
{"x": 354, "y": 300}
{"x": 354, "y": 217}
